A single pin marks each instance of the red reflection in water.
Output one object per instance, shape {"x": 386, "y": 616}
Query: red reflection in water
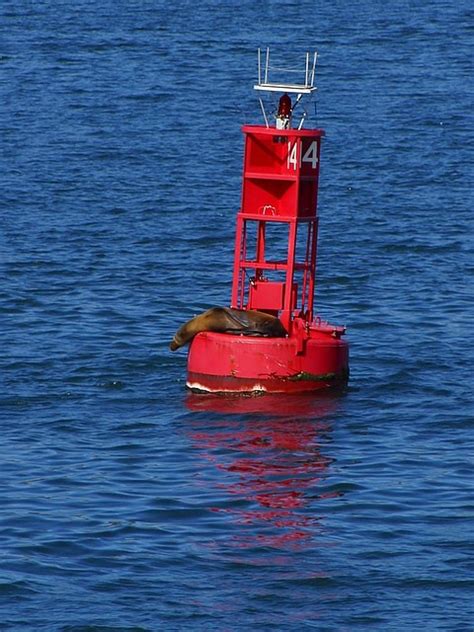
{"x": 270, "y": 458}
{"x": 305, "y": 405}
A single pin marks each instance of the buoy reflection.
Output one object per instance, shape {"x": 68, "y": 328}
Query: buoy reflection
{"x": 271, "y": 463}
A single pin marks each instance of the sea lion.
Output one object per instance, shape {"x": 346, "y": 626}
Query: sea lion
{"x": 248, "y": 322}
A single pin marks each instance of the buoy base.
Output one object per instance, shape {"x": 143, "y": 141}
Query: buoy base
{"x": 200, "y": 383}
{"x": 312, "y": 358}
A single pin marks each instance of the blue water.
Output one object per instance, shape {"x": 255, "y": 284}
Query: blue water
{"x": 128, "y": 504}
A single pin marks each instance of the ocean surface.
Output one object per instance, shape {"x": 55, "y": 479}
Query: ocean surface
{"x": 129, "y": 504}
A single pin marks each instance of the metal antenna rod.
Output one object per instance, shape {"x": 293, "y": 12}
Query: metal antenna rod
{"x": 314, "y": 67}
{"x": 264, "y": 113}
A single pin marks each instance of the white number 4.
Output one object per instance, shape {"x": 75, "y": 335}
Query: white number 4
{"x": 291, "y": 160}
{"x": 311, "y": 154}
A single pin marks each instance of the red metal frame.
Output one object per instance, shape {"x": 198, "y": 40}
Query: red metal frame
{"x": 280, "y": 184}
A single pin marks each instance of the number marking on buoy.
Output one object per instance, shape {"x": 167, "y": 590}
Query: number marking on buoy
{"x": 310, "y": 155}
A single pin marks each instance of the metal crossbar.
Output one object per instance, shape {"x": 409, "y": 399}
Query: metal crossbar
{"x": 265, "y": 84}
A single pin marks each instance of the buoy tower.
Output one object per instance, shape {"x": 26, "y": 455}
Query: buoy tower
{"x": 275, "y": 259}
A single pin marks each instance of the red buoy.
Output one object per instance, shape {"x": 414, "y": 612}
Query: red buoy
{"x": 275, "y": 266}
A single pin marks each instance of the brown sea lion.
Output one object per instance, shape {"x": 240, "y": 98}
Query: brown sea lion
{"x": 229, "y": 321}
